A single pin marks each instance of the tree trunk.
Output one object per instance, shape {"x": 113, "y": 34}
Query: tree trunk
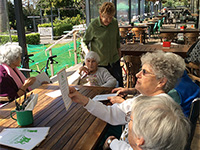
{"x": 3, "y": 16}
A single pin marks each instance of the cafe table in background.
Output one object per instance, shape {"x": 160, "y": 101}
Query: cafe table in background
{"x": 139, "y": 49}
{"x": 73, "y": 129}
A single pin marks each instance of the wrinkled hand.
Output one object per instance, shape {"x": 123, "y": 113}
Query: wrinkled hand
{"x": 28, "y": 82}
{"x": 83, "y": 70}
{"x": 106, "y": 146}
{"x": 77, "y": 97}
{"x": 120, "y": 91}
{"x": 116, "y": 99}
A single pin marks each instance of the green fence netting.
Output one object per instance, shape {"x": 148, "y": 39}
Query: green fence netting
{"x": 65, "y": 57}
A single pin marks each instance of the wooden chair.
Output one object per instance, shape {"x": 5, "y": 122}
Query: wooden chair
{"x": 123, "y": 34}
{"x": 132, "y": 67}
{"x": 193, "y": 71}
{"x": 138, "y": 33}
{"x": 193, "y": 117}
{"x": 168, "y": 36}
{"x": 191, "y": 38}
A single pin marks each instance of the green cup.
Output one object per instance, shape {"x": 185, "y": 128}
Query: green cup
{"x": 24, "y": 117}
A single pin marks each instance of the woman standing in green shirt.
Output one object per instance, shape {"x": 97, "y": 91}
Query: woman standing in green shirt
{"x": 103, "y": 35}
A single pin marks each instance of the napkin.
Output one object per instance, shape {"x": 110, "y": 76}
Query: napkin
{"x": 32, "y": 102}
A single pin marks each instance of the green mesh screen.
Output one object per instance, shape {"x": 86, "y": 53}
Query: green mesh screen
{"x": 65, "y": 57}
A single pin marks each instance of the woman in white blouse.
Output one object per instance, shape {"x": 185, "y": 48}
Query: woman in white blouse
{"x": 91, "y": 74}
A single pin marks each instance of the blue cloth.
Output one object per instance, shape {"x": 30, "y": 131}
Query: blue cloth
{"x": 187, "y": 91}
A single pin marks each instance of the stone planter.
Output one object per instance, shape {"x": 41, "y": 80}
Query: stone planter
{"x": 45, "y": 31}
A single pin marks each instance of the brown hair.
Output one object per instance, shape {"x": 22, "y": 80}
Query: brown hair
{"x": 107, "y": 8}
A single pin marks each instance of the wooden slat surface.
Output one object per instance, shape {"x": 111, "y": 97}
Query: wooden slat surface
{"x": 174, "y": 30}
{"x": 138, "y": 49}
{"x": 72, "y": 129}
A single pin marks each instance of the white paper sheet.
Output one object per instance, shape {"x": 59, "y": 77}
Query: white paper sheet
{"x": 32, "y": 103}
{"x": 39, "y": 79}
{"x": 103, "y": 97}
{"x": 23, "y": 138}
{"x": 64, "y": 87}
{"x": 54, "y": 94}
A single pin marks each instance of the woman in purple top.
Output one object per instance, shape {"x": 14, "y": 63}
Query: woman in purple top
{"x": 12, "y": 82}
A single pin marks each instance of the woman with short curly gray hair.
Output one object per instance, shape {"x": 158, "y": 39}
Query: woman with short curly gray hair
{"x": 12, "y": 82}
{"x": 165, "y": 65}
{"x": 91, "y": 74}
{"x": 157, "y": 123}
{"x": 11, "y": 54}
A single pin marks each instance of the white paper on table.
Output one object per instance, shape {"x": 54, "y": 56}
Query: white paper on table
{"x": 32, "y": 103}
{"x": 23, "y": 138}
{"x": 57, "y": 93}
{"x": 64, "y": 87}
{"x": 54, "y": 94}
{"x": 103, "y": 97}
{"x": 39, "y": 79}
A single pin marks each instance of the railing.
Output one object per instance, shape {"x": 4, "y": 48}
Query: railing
{"x": 74, "y": 32}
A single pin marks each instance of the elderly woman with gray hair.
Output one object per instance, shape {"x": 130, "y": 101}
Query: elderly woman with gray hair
{"x": 157, "y": 123}
{"x": 91, "y": 74}
{"x": 12, "y": 82}
{"x": 159, "y": 73}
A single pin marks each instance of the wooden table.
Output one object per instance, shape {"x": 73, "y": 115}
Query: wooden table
{"x": 174, "y": 30}
{"x": 73, "y": 129}
{"x": 138, "y": 49}
{"x": 188, "y": 24}
{"x": 190, "y": 35}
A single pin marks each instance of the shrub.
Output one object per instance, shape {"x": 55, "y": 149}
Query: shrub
{"x": 4, "y": 39}
{"x": 59, "y": 28}
{"x": 33, "y": 38}
{"x": 44, "y": 25}
{"x": 64, "y": 25}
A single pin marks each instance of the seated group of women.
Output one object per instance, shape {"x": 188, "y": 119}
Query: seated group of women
{"x": 147, "y": 127}
{"x": 159, "y": 74}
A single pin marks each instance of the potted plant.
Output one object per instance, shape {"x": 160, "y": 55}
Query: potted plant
{"x": 166, "y": 43}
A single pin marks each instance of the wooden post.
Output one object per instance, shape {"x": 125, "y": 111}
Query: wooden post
{"x": 51, "y": 65}
{"x": 75, "y": 48}
{"x": 38, "y": 69}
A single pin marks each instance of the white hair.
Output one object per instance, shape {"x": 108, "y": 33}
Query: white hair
{"x": 9, "y": 53}
{"x": 92, "y": 55}
{"x": 161, "y": 122}
{"x": 168, "y": 65}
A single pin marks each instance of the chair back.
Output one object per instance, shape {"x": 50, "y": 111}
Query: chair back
{"x": 138, "y": 31}
{"x": 194, "y": 110}
{"x": 194, "y": 114}
{"x": 167, "y": 36}
{"x": 133, "y": 64}
{"x": 193, "y": 71}
{"x": 155, "y": 28}
{"x": 123, "y": 32}
{"x": 191, "y": 38}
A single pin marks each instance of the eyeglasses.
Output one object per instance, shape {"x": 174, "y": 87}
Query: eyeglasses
{"x": 128, "y": 117}
{"x": 144, "y": 72}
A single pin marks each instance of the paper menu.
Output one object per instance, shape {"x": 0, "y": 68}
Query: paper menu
{"x": 103, "y": 97}
{"x": 23, "y": 138}
{"x": 64, "y": 87}
{"x": 39, "y": 79}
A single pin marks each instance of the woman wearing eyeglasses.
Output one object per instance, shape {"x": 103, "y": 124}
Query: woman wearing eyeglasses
{"x": 160, "y": 73}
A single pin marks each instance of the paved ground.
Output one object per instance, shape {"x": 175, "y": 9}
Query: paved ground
{"x": 48, "y": 40}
